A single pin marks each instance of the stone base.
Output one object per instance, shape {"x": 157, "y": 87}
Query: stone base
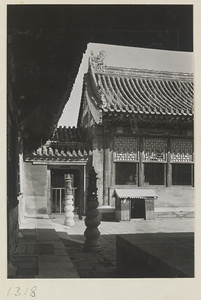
{"x": 92, "y": 246}
{"x": 69, "y": 223}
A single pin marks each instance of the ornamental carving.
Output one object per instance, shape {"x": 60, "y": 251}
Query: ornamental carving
{"x": 181, "y": 150}
{"x": 155, "y": 150}
{"x": 156, "y": 132}
{"x": 125, "y": 149}
{"x": 97, "y": 61}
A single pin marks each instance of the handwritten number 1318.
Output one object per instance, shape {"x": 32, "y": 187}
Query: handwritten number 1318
{"x": 18, "y": 291}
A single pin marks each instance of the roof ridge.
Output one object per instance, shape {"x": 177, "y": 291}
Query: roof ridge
{"x": 98, "y": 66}
{"x": 145, "y": 73}
{"x": 121, "y": 89}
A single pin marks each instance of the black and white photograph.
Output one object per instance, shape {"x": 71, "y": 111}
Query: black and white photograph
{"x": 100, "y": 142}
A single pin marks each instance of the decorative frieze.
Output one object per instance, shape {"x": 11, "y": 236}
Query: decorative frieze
{"x": 155, "y": 132}
{"x": 126, "y": 149}
{"x": 154, "y": 149}
{"x": 181, "y": 150}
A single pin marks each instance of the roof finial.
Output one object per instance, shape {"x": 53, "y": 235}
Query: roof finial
{"x": 97, "y": 61}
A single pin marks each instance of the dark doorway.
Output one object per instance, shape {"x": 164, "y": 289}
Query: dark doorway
{"x": 137, "y": 209}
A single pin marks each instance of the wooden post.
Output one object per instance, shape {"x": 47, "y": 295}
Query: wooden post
{"x": 49, "y": 192}
{"x": 169, "y": 165}
{"x": 141, "y": 164}
{"x": 21, "y": 207}
{"x": 106, "y": 175}
{"x": 192, "y": 175}
{"x": 82, "y": 191}
{"x": 69, "y": 208}
{"x": 92, "y": 219}
{"x": 106, "y": 165}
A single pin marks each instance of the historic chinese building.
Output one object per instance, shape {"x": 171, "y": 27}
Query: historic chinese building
{"x": 41, "y": 69}
{"x": 44, "y": 170}
{"x": 136, "y": 128}
{"x": 140, "y": 123}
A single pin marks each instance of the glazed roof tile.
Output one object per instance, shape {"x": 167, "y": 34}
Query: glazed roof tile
{"x": 66, "y": 143}
{"x": 68, "y": 134}
{"x": 45, "y": 151}
{"x": 143, "y": 91}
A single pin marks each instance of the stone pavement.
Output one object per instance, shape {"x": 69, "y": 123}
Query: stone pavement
{"x": 40, "y": 252}
{"x": 49, "y": 249}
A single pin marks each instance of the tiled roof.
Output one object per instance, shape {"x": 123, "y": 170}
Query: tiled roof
{"x": 143, "y": 91}
{"x": 47, "y": 151}
{"x": 66, "y": 143}
{"x": 134, "y": 193}
{"x": 68, "y": 134}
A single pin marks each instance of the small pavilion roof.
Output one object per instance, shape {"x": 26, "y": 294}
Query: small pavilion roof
{"x": 142, "y": 91}
{"x": 137, "y": 193}
{"x": 68, "y": 134}
{"x": 65, "y": 144}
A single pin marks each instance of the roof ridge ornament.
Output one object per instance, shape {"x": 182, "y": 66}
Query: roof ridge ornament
{"x": 97, "y": 61}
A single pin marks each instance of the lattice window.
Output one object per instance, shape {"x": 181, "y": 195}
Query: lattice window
{"x": 181, "y": 150}
{"x": 126, "y": 149}
{"x": 154, "y": 149}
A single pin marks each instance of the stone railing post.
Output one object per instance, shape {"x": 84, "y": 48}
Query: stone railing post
{"x": 69, "y": 208}
{"x": 92, "y": 219}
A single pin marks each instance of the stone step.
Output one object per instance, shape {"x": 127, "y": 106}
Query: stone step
{"x": 178, "y": 214}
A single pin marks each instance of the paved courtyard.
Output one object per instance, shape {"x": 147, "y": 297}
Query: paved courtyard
{"x": 48, "y": 249}
{"x": 124, "y": 227}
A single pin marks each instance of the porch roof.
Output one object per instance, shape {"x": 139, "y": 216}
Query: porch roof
{"x": 65, "y": 144}
{"x": 134, "y": 193}
{"x": 50, "y": 152}
{"x": 69, "y": 134}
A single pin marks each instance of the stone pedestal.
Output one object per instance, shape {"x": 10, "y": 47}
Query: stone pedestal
{"x": 69, "y": 208}
{"x": 92, "y": 219}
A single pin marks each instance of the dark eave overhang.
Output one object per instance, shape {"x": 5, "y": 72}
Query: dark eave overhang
{"x": 47, "y": 43}
{"x": 148, "y": 120}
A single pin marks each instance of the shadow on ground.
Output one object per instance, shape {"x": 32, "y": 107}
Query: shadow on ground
{"x": 100, "y": 264}
{"x": 45, "y": 253}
